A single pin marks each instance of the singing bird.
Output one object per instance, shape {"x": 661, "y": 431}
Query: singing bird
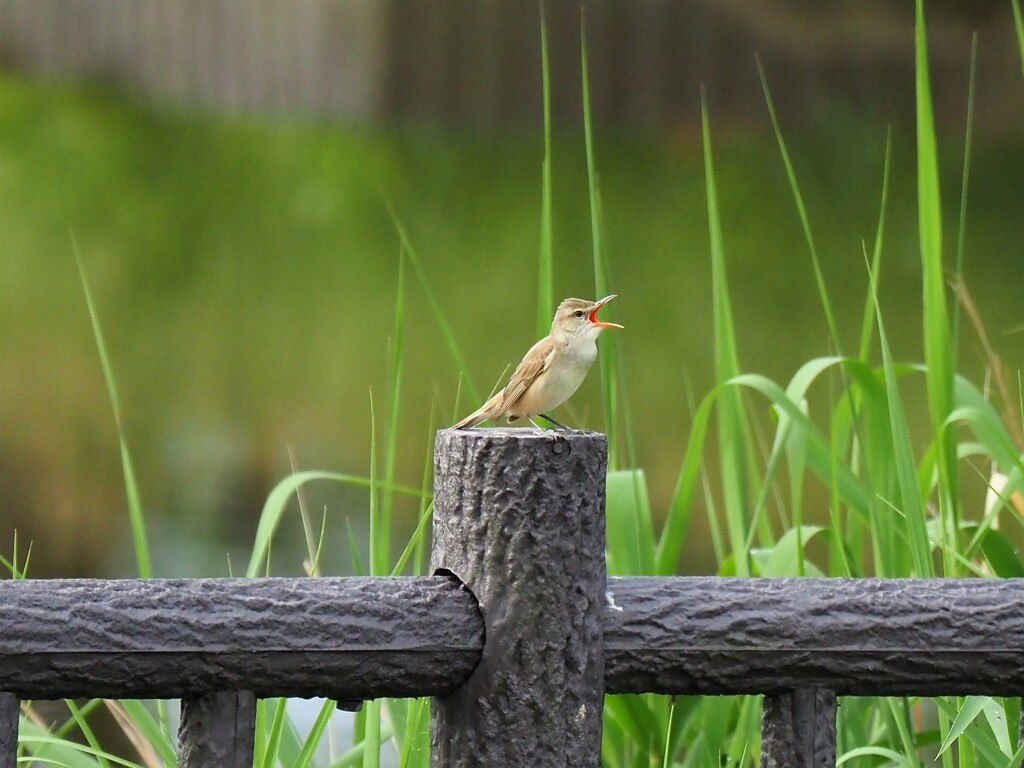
{"x": 552, "y": 370}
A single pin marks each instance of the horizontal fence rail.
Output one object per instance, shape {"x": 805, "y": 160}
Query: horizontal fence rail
{"x": 878, "y": 637}
{"x": 343, "y": 638}
{"x": 517, "y": 637}
{"x": 362, "y": 638}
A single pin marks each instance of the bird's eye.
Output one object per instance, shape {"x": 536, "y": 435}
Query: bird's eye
{"x": 578, "y": 313}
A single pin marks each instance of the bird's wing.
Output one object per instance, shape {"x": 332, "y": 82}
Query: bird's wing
{"x": 537, "y": 360}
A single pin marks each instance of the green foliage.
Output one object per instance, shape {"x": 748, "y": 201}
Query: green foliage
{"x": 733, "y": 435}
{"x": 546, "y": 272}
{"x": 846, "y": 424}
{"x": 135, "y": 511}
{"x": 1018, "y": 23}
{"x": 607, "y": 360}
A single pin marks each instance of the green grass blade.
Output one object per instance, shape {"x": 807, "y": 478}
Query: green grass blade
{"x": 786, "y": 556}
{"x": 396, "y": 713}
{"x": 964, "y": 179}
{"x": 371, "y": 744}
{"x": 304, "y": 516}
{"x": 912, "y": 505}
{"x": 136, "y": 516}
{"x": 875, "y": 460}
{"x": 938, "y": 349}
{"x": 899, "y": 710}
{"x": 90, "y": 737}
{"x": 70, "y": 724}
{"x": 546, "y": 272}
{"x": 380, "y": 556}
{"x": 354, "y": 756}
{"x": 412, "y": 726}
{"x": 607, "y": 358}
{"x": 277, "y": 503}
{"x": 635, "y": 719}
{"x": 323, "y": 718}
{"x": 426, "y": 508}
{"x": 677, "y": 519}
{"x": 435, "y": 305}
{"x": 818, "y": 447}
{"x": 1018, "y": 23}
{"x": 410, "y": 742}
{"x": 416, "y": 746}
{"x": 150, "y": 728}
{"x": 731, "y": 433}
{"x": 668, "y": 734}
{"x": 971, "y": 708}
{"x": 798, "y": 199}
{"x": 894, "y": 757}
{"x": 630, "y": 531}
{"x": 995, "y": 715}
{"x": 978, "y": 737}
{"x": 273, "y": 742}
{"x": 17, "y": 571}
{"x": 868, "y": 323}
{"x": 418, "y": 535}
{"x": 260, "y": 731}
{"x": 374, "y": 496}
{"x": 72, "y": 754}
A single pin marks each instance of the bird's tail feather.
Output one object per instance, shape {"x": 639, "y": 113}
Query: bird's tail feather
{"x": 489, "y": 410}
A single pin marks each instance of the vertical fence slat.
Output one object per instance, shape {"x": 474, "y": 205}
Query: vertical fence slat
{"x": 217, "y": 730}
{"x": 519, "y": 518}
{"x": 10, "y": 712}
{"x": 798, "y": 729}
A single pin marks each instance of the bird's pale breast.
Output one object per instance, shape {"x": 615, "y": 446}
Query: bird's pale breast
{"x": 558, "y": 383}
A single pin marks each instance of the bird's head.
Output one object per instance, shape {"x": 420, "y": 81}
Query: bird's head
{"x": 577, "y": 317}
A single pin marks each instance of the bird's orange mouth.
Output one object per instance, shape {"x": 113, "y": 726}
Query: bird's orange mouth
{"x": 592, "y": 317}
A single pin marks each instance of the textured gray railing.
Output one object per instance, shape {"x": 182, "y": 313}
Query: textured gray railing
{"x": 517, "y": 638}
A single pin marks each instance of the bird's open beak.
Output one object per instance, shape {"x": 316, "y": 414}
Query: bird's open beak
{"x": 592, "y": 317}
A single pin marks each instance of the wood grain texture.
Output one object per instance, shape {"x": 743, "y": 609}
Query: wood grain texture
{"x": 217, "y": 730}
{"x": 860, "y": 637}
{"x": 344, "y": 638}
{"x": 519, "y": 518}
{"x": 357, "y": 638}
{"x": 798, "y": 729}
{"x": 10, "y": 713}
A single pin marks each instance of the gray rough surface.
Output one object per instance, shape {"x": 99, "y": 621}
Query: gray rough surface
{"x": 857, "y": 637}
{"x": 519, "y": 518}
{"x": 344, "y": 638}
{"x": 798, "y": 729}
{"x": 354, "y": 639}
{"x": 10, "y": 712}
{"x": 217, "y": 730}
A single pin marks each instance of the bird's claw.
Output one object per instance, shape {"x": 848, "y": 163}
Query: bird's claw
{"x": 553, "y": 435}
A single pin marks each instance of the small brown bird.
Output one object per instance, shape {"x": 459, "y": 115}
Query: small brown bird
{"x": 552, "y": 370}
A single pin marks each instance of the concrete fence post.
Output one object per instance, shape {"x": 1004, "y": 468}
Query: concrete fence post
{"x": 10, "y": 713}
{"x": 217, "y": 730}
{"x": 798, "y": 729}
{"x": 519, "y": 519}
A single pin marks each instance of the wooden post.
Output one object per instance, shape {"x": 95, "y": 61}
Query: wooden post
{"x": 798, "y": 729}
{"x": 519, "y": 519}
{"x": 10, "y": 713}
{"x": 217, "y": 730}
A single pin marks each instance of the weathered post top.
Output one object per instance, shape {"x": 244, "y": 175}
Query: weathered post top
{"x": 519, "y": 519}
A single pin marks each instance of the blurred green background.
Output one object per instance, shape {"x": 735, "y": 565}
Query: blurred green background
{"x": 244, "y": 266}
